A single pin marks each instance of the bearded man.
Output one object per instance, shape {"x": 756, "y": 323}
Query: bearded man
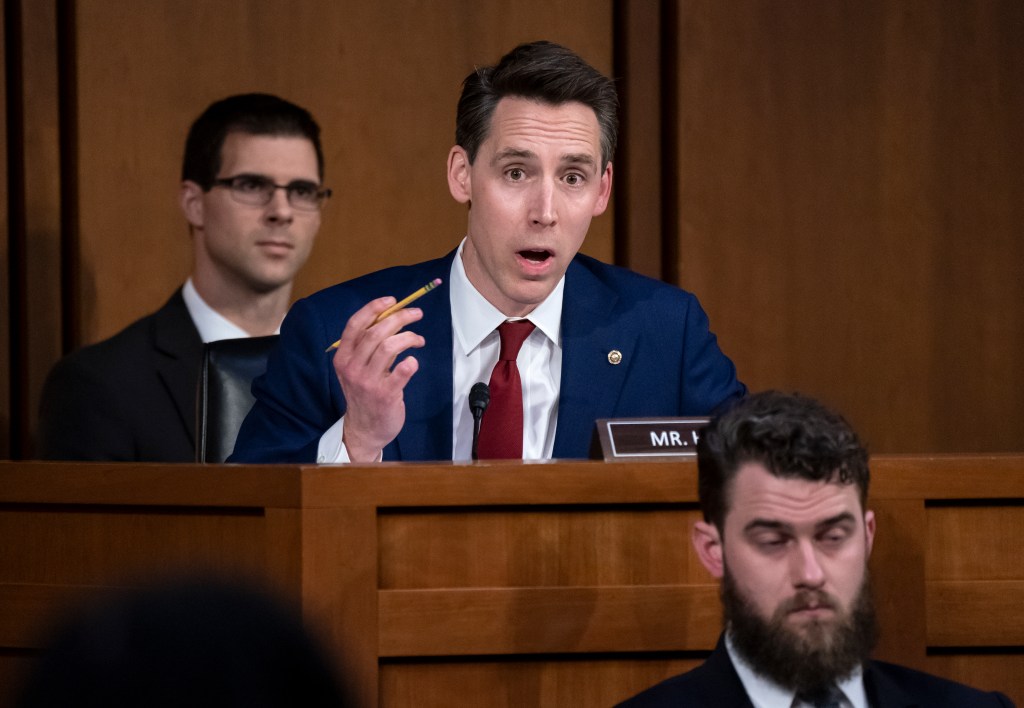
{"x": 783, "y": 485}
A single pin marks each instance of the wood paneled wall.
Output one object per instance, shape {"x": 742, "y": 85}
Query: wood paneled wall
{"x": 6, "y": 367}
{"x": 851, "y": 207}
{"x": 840, "y": 183}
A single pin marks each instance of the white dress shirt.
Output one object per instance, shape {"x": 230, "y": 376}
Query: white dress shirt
{"x": 765, "y": 693}
{"x": 212, "y": 325}
{"x": 475, "y": 349}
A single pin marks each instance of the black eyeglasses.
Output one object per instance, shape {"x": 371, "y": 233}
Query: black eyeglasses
{"x": 257, "y": 190}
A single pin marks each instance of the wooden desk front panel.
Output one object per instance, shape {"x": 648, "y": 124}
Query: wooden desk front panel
{"x": 538, "y": 547}
{"x": 70, "y": 531}
{"x": 547, "y": 681}
{"x": 974, "y": 596}
{"x": 468, "y": 595}
{"x": 569, "y": 583}
{"x": 97, "y": 545}
{"x": 609, "y": 599}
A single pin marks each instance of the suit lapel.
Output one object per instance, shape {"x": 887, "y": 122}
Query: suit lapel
{"x": 177, "y": 352}
{"x": 590, "y": 383}
{"x": 882, "y": 692}
{"x": 725, "y": 682}
{"x": 427, "y": 433}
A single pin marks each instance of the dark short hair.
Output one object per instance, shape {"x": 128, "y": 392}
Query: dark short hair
{"x": 249, "y": 113}
{"x": 541, "y": 71}
{"x": 792, "y": 436}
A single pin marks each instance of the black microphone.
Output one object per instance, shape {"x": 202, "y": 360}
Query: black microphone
{"x": 479, "y": 397}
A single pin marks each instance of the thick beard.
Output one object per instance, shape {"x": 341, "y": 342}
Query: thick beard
{"x": 821, "y": 655}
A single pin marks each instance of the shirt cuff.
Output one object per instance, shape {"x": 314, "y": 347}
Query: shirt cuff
{"x": 331, "y": 449}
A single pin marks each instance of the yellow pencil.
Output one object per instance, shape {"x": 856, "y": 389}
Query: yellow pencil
{"x": 398, "y": 306}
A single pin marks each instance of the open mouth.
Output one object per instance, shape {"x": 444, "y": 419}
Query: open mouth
{"x": 536, "y": 255}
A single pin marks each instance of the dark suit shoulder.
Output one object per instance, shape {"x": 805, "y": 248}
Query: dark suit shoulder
{"x": 111, "y": 362}
{"x": 624, "y": 279}
{"x": 322, "y": 315}
{"x": 886, "y": 682}
{"x": 128, "y": 397}
{"x": 713, "y": 684}
{"x": 614, "y": 294}
{"x": 110, "y": 354}
{"x": 670, "y": 692}
{"x": 128, "y": 353}
{"x": 397, "y": 281}
{"x": 701, "y": 687}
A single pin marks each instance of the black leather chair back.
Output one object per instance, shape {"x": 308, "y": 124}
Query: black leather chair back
{"x": 224, "y": 396}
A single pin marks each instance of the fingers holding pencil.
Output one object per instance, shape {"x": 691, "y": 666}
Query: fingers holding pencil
{"x": 409, "y": 299}
{"x": 373, "y": 364}
{"x": 404, "y": 302}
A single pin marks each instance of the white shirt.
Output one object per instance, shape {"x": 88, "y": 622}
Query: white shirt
{"x": 475, "y": 349}
{"x": 765, "y": 693}
{"x": 212, "y": 325}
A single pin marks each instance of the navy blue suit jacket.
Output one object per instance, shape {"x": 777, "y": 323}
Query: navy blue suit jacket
{"x": 715, "y": 683}
{"x": 671, "y": 364}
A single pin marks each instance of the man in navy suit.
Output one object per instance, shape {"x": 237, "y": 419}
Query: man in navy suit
{"x": 783, "y": 484}
{"x": 533, "y": 162}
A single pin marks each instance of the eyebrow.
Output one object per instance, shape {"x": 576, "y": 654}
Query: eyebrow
{"x": 575, "y": 158}
{"x": 249, "y": 175}
{"x": 268, "y": 178}
{"x": 771, "y": 525}
{"x": 509, "y": 153}
{"x": 580, "y": 158}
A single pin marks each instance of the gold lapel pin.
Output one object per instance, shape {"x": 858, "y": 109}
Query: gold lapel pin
{"x": 614, "y": 357}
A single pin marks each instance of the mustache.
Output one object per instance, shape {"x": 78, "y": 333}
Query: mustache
{"x": 801, "y": 660}
{"x": 809, "y": 600}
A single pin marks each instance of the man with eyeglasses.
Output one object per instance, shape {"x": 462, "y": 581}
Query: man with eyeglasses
{"x": 251, "y": 193}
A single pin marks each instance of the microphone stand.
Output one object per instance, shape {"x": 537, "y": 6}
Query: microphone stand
{"x": 479, "y": 399}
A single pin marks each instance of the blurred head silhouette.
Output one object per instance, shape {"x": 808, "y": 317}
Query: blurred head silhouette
{"x": 191, "y": 642}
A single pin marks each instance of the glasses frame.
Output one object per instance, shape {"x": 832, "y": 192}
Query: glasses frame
{"x": 237, "y": 195}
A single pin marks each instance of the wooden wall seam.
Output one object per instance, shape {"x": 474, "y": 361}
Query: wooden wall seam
{"x": 17, "y": 429}
{"x": 67, "y": 98}
{"x": 671, "y": 113}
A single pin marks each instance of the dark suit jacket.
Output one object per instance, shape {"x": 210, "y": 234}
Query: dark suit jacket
{"x": 671, "y": 363}
{"x": 130, "y": 397}
{"x": 715, "y": 683}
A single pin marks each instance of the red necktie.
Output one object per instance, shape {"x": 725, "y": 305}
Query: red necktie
{"x": 501, "y": 430}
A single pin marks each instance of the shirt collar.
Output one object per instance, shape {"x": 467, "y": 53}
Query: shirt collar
{"x": 473, "y": 317}
{"x": 212, "y": 325}
{"x": 765, "y": 693}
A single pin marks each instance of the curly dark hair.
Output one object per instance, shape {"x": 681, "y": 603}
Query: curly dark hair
{"x": 792, "y": 435}
{"x": 542, "y": 71}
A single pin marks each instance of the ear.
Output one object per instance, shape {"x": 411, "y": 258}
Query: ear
{"x": 191, "y": 201}
{"x": 459, "y": 175}
{"x": 606, "y": 191}
{"x": 708, "y": 544}
{"x": 869, "y": 530}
